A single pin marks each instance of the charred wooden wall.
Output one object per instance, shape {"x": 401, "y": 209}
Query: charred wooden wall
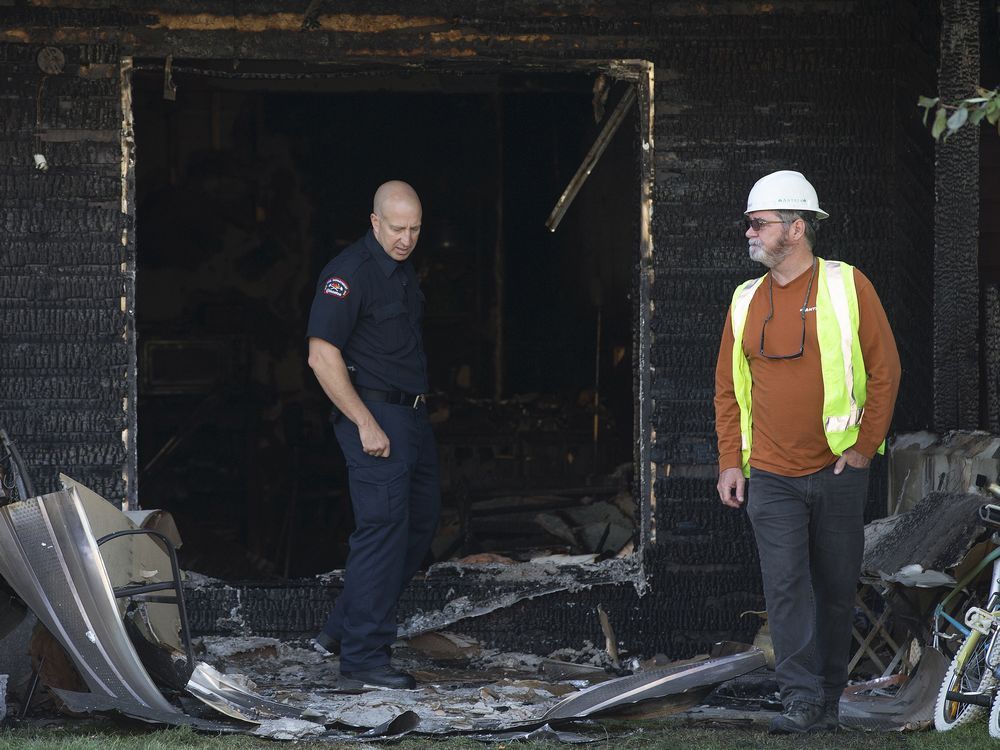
{"x": 65, "y": 275}
{"x": 956, "y": 232}
{"x": 741, "y": 89}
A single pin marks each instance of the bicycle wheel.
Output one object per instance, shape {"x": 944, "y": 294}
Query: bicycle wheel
{"x": 995, "y": 718}
{"x": 967, "y": 673}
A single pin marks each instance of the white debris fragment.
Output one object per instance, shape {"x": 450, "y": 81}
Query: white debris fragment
{"x": 915, "y": 575}
{"x": 289, "y": 729}
{"x": 194, "y": 580}
{"x": 493, "y": 659}
{"x": 226, "y": 648}
{"x": 234, "y": 621}
{"x": 588, "y": 654}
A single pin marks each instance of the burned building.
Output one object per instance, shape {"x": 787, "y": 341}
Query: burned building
{"x": 176, "y": 173}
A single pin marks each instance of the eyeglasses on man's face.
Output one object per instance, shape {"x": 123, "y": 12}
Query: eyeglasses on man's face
{"x": 758, "y": 224}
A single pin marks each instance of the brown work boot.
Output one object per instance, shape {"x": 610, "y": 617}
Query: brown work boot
{"x": 799, "y": 717}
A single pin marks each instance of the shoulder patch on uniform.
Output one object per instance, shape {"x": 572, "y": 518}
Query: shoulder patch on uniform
{"x": 336, "y": 287}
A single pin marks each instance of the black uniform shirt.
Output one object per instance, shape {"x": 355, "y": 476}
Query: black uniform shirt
{"x": 370, "y": 307}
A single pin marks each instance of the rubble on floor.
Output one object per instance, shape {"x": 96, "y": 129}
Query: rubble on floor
{"x": 89, "y": 626}
{"x": 135, "y": 655}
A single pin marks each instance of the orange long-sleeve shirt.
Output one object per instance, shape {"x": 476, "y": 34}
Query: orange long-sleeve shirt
{"x": 787, "y": 396}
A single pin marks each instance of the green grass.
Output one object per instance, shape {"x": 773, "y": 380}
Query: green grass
{"x": 644, "y": 735}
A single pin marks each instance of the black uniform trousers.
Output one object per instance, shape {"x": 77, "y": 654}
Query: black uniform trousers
{"x": 396, "y": 503}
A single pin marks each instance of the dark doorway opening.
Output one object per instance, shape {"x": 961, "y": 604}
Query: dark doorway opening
{"x": 245, "y": 188}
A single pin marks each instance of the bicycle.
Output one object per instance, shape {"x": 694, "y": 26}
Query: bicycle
{"x": 970, "y": 684}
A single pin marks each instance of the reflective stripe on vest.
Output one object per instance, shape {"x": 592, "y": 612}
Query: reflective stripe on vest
{"x": 741, "y": 381}
{"x": 848, "y": 333}
{"x": 842, "y": 364}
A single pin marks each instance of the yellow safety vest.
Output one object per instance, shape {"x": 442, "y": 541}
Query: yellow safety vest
{"x": 844, "y": 375}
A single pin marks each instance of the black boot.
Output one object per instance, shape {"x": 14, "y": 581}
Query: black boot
{"x": 797, "y": 718}
{"x": 831, "y": 716}
{"x": 377, "y": 677}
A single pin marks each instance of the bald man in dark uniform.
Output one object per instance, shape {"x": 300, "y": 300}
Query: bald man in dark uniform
{"x": 366, "y": 350}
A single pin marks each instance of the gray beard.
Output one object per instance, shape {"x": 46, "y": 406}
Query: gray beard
{"x": 770, "y": 259}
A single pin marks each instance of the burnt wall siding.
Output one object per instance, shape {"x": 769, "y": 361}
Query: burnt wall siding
{"x": 835, "y": 120}
{"x": 909, "y": 300}
{"x": 63, "y": 341}
{"x": 956, "y": 231}
{"x": 821, "y": 87}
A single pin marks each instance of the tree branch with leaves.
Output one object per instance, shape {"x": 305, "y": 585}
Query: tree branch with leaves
{"x": 948, "y": 118}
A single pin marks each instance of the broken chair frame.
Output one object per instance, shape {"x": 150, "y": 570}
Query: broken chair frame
{"x": 135, "y": 591}
{"x": 141, "y": 591}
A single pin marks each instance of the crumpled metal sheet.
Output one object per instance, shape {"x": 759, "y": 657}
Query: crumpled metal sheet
{"x": 405, "y": 723}
{"x": 230, "y": 698}
{"x": 48, "y": 554}
{"x": 656, "y": 683}
{"x": 912, "y": 707}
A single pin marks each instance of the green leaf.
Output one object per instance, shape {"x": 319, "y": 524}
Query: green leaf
{"x": 940, "y": 123}
{"x": 958, "y": 119}
{"x": 993, "y": 111}
{"x": 928, "y": 102}
{"x": 977, "y": 115}
{"x": 976, "y": 100}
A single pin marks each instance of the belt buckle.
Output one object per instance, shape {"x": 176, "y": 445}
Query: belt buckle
{"x": 417, "y": 400}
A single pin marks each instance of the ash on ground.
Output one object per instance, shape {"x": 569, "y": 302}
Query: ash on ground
{"x": 460, "y": 688}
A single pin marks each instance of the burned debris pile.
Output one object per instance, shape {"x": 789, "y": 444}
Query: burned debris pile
{"x": 109, "y": 633}
{"x": 94, "y": 606}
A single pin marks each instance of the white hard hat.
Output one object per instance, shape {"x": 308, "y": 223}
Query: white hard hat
{"x": 784, "y": 191}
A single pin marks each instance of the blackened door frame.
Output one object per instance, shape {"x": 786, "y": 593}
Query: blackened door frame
{"x": 640, "y": 73}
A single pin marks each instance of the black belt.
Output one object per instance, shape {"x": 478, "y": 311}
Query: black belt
{"x": 391, "y": 397}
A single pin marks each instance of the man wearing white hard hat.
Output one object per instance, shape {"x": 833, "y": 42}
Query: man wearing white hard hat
{"x": 805, "y": 386}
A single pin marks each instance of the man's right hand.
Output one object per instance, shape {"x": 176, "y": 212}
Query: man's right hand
{"x": 374, "y": 442}
{"x": 731, "y": 484}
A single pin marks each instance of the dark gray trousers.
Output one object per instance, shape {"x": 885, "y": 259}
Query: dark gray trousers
{"x": 810, "y": 537}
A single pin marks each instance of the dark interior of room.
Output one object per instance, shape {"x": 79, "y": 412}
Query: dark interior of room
{"x": 245, "y": 187}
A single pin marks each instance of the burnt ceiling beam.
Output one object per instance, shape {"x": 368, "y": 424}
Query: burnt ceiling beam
{"x": 956, "y": 230}
{"x": 322, "y": 30}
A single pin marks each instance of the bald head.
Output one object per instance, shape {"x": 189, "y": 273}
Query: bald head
{"x": 396, "y": 216}
{"x": 392, "y": 192}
